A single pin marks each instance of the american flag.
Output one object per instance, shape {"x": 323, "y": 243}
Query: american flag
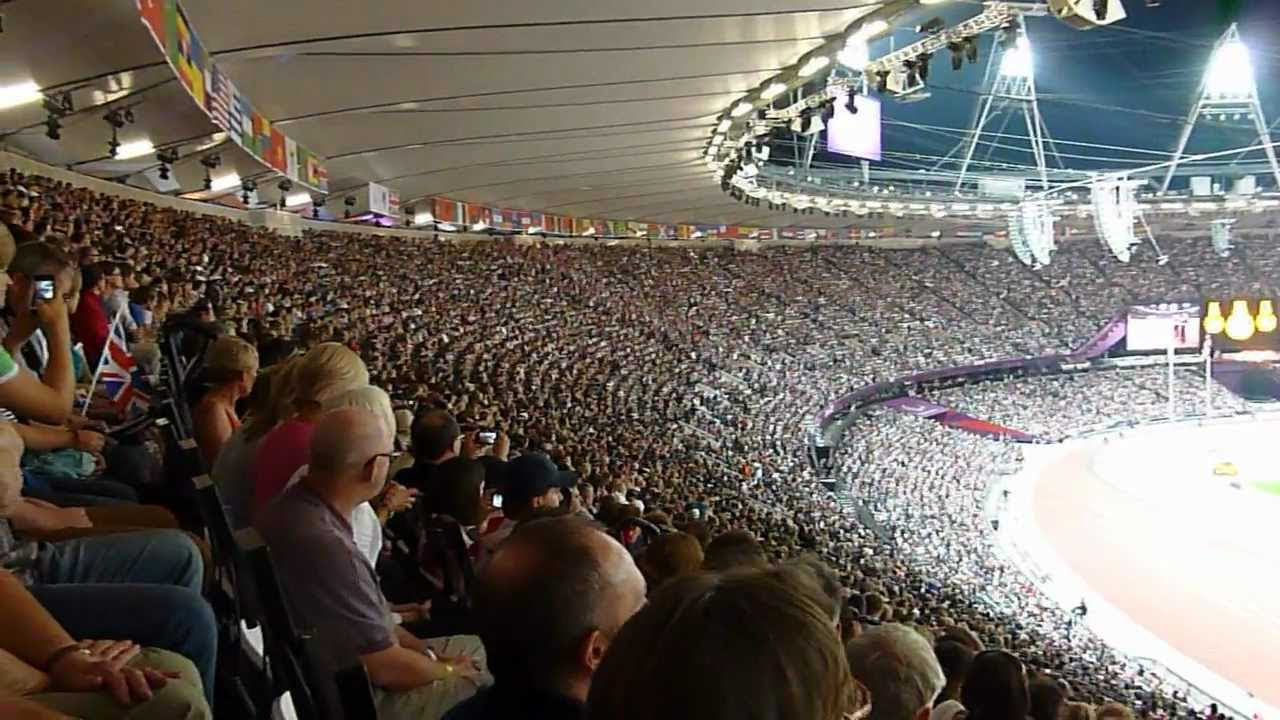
{"x": 119, "y": 374}
{"x": 221, "y": 98}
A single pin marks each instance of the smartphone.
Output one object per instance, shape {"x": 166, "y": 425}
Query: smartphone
{"x": 496, "y": 502}
{"x": 45, "y": 288}
{"x": 486, "y": 437}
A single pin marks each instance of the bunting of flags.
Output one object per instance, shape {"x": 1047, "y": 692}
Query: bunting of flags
{"x": 218, "y": 96}
{"x": 464, "y": 215}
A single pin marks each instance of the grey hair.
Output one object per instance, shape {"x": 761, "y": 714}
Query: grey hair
{"x": 900, "y": 669}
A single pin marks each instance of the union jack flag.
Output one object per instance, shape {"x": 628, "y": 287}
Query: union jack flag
{"x": 119, "y": 373}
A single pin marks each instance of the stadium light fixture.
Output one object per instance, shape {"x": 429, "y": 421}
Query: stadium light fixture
{"x": 1240, "y": 322}
{"x": 773, "y": 90}
{"x": 297, "y": 199}
{"x": 423, "y": 218}
{"x": 1214, "y": 323}
{"x": 724, "y": 126}
{"x": 225, "y": 182}
{"x": 871, "y": 29}
{"x": 1266, "y": 320}
{"x": 19, "y": 94}
{"x": 1230, "y": 71}
{"x": 134, "y": 149}
{"x": 1017, "y": 61}
{"x": 742, "y": 108}
{"x": 855, "y": 54}
{"x": 814, "y": 64}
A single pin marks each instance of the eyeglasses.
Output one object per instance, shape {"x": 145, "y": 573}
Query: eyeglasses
{"x": 388, "y": 455}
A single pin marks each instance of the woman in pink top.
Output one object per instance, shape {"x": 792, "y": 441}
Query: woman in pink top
{"x": 326, "y": 370}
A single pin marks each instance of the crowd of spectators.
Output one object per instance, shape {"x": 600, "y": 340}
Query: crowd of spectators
{"x": 541, "y": 391}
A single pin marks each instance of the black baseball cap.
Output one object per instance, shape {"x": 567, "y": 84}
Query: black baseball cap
{"x": 533, "y": 474}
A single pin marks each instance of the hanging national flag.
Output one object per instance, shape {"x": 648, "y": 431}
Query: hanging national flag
{"x": 221, "y": 98}
{"x": 189, "y": 58}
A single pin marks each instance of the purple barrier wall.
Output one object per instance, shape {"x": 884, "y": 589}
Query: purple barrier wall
{"x": 1110, "y": 334}
{"x": 1106, "y": 338}
{"x": 956, "y": 419}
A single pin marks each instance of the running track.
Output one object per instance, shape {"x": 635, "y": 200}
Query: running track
{"x": 1189, "y": 580}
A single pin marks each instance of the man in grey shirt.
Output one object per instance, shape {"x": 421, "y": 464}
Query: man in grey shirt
{"x": 332, "y": 590}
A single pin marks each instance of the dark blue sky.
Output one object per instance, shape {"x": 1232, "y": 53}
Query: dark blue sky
{"x": 1126, "y": 85}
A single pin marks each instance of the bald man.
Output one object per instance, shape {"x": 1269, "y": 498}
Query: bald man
{"x": 548, "y": 604}
{"x": 332, "y": 588}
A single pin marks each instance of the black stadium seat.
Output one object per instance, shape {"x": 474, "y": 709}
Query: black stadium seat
{"x": 285, "y": 644}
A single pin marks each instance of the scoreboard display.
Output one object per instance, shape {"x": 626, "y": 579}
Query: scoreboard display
{"x": 1152, "y": 328}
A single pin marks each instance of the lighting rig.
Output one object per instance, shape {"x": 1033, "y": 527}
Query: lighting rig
{"x": 210, "y": 162}
{"x": 167, "y": 158}
{"x": 57, "y": 106}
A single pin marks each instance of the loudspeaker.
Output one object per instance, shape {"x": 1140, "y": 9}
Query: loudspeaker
{"x": 1085, "y": 15}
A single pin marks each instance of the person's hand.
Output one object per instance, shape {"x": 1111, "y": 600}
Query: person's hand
{"x": 89, "y": 441}
{"x": 412, "y": 612}
{"x": 23, "y": 325}
{"x": 99, "y": 463}
{"x": 52, "y": 315}
{"x": 501, "y": 446}
{"x": 463, "y": 668}
{"x": 398, "y": 498}
{"x": 100, "y": 665}
{"x": 470, "y": 448}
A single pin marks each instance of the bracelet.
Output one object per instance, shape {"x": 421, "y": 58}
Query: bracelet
{"x": 62, "y": 652}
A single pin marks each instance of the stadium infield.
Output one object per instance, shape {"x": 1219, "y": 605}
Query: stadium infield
{"x": 1190, "y": 564}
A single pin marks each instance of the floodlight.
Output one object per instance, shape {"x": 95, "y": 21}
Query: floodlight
{"x": 773, "y": 91}
{"x": 871, "y": 29}
{"x": 19, "y": 94}
{"x": 1230, "y": 71}
{"x": 741, "y": 109}
{"x": 225, "y": 182}
{"x": 1016, "y": 61}
{"x": 134, "y": 148}
{"x": 855, "y": 54}
{"x": 813, "y": 65}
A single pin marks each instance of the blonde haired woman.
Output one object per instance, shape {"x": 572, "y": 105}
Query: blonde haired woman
{"x": 232, "y": 470}
{"x": 326, "y": 371}
{"x": 231, "y": 367}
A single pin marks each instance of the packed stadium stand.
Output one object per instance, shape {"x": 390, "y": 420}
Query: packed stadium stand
{"x": 266, "y": 458}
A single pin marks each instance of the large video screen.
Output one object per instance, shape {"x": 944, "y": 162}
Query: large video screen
{"x": 855, "y": 134}
{"x": 1156, "y": 327}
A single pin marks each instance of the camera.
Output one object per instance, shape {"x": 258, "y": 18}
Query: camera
{"x": 486, "y": 437}
{"x": 45, "y": 288}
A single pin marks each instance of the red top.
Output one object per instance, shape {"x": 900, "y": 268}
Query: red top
{"x": 282, "y": 452}
{"x": 89, "y": 325}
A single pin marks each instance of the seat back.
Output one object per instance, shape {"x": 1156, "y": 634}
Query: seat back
{"x": 355, "y": 692}
{"x": 284, "y": 644}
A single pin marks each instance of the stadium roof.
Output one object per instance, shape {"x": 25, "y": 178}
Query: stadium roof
{"x": 592, "y": 109}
